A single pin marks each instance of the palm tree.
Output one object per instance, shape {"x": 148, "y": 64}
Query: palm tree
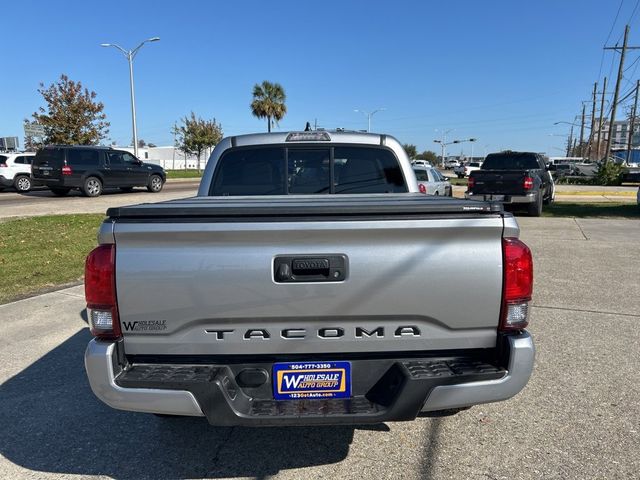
{"x": 268, "y": 102}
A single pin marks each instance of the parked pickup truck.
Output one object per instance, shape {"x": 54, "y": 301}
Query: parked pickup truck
{"x": 513, "y": 178}
{"x": 324, "y": 299}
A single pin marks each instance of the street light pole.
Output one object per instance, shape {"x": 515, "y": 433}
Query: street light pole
{"x": 130, "y": 55}
{"x": 443, "y": 144}
{"x": 133, "y": 106}
{"x": 369, "y": 115}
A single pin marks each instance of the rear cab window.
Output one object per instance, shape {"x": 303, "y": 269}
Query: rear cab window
{"x": 511, "y": 161}
{"x": 312, "y": 169}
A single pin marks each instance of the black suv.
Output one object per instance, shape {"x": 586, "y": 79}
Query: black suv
{"x": 92, "y": 169}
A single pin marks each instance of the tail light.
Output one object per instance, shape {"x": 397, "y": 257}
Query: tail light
{"x": 471, "y": 183}
{"x": 66, "y": 170}
{"x": 422, "y": 188}
{"x": 528, "y": 183}
{"x": 518, "y": 284}
{"x": 100, "y": 292}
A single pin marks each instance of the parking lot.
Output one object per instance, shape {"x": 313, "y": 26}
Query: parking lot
{"x": 42, "y": 202}
{"x": 579, "y": 417}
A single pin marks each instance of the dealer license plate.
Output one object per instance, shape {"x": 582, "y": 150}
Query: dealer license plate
{"x": 311, "y": 380}
{"x": 495, "y": 198}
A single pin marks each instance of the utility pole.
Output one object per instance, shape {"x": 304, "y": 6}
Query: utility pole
{"x": 616, "y": 93}
{"x": 632, "y": 123}
{"x": 582, "y": 132}
{"x": 569, "y": 142}
{"x": 593, "y": 119}
{"x": 601, "y": 120}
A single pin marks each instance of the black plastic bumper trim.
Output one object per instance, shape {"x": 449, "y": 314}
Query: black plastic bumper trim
{"x": 383, "y": 390}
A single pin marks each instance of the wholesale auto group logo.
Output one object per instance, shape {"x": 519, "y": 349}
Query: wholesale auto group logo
{"x": 145, "y": 326}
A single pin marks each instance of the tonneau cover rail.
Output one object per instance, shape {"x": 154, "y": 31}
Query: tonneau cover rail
{"x": 303, "y": 206}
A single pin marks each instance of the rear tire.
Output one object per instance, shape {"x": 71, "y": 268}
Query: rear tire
{"x": 92, "y": 187}
{"x": 155, "y": 184}
{"x": 22, "y": 183}
{"x": 535, "y": 209}
{"x": 59, "y": 191}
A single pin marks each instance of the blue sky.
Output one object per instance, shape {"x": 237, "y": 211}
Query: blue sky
{"x": 501, "y": 71}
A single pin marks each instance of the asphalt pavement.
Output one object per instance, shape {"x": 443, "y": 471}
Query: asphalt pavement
{"x": 578, "y": 418}
{"x": 42, "y": 202}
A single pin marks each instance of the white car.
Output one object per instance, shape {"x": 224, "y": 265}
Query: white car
{"x": 421, "y": 163}
{"x": 431, "y": 181}
{"x": 451, "y": 163}
{"x": 15, "y": 171}
{"x": 464, "y": 170}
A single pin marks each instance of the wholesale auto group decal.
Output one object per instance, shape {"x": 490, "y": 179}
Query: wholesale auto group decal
{"x": 145, "y": 325}
{"x": 311, "y": 380}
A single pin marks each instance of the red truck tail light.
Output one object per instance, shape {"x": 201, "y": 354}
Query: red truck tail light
{"x": 422, "y": 188}
{"x": 518, "y": 284}
{"x": 528, "y": 183}
{"x": 471, "y": 183}
{"x": 66, "y": 170}
{"x": 100, "y": 292}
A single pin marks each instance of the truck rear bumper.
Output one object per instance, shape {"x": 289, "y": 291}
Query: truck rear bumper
{"x": 405, "y": 388}
{"x": 101, "y": 363}
{"x": 528, "y": 198}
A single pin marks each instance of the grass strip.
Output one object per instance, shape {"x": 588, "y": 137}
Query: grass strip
{"x": 592, "y": 210}
{"x": 183, "y": 174}
{"x": 38, "y": 253}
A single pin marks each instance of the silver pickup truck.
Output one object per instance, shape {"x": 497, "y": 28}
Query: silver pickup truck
{"x": 308, "y": 283}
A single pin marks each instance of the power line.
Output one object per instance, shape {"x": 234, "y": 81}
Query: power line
{"x": 633, "y": 12}
{"x": 607, "y": 40}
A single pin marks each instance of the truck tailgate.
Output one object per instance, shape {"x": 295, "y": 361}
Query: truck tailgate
{"x": 197, "y": 277}
{"x": 504, "y": 182}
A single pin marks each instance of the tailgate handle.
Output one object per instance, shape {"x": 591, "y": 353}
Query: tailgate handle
{"x": 310, "y": 268}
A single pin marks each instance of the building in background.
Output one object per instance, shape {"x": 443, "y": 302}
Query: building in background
{"x": 169, "y": 157}
{"x": 620, "y": 136}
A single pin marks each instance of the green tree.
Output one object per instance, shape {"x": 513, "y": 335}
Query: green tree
{"x": 429, "y": 156}
{"x": 268, "y": 102}
{"x": 609, "y": 173}
{"x": 411, "y": 150}
{"x": 195, "y": 134}
{"x": 72, "y": 115}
